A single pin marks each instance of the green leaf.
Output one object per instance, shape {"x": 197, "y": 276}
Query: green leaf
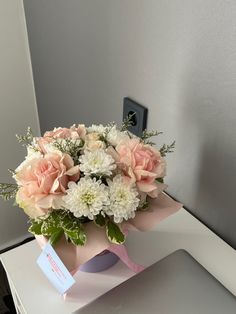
{"x": 73, "y": 231}
{"x": 55, "y": 237}
{"x": 67, "y": 223}
{"x": 100, "y": 220}
{"x": 114, "y": 233}
{"x": 76, "y": 236}
{"x": 143, "y": 206}
{"x": 160, "y": 180}
{"x": 35, "y": 227}
{"x": 48, "y": 229}
{"x": 80, "y": 238}
{"x": 57, "y": 223}
{"x": 51, "y": 224}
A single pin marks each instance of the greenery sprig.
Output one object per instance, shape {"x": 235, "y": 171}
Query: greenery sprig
{"x": 143, "y": 206}
{"x": 12, "y": 171}
{"x": 8, "y": 190}
{"x": 70, "y": 147}
{"x": 146, "y": 135}
{"x": 127, "y": 122}
{"x": 26, "y": 139}
{"x": 166, "y": 149}
{"x": 103, "y": 137}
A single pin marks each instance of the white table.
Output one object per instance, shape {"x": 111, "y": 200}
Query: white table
{"x": 33, "y": 293}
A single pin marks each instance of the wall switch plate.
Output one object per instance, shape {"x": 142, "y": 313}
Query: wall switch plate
{"x": 139, "y": 116}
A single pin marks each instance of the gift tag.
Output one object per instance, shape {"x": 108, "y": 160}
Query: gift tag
{"x": 54, "y": 269}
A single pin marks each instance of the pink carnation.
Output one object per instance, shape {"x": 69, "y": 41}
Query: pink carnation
{"x": 143, "y": 164}
{"x": 74, "y": 132}
{"x": 43, "y": 181}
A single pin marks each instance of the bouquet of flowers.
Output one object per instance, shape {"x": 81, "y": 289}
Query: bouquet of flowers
{"x": 78, "y": 175}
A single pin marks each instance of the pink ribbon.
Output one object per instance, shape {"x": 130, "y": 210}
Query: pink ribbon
{"x": 121, "y": 252}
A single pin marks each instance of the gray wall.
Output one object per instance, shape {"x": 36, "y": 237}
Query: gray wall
{"x": 177, "y": 57}
{"x": 18, "y": 110}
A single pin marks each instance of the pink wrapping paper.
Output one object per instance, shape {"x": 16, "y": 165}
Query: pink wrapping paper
{"x": 74, "y": 256}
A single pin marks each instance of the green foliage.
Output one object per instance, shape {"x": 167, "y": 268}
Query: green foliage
{"x": 103, "y": 137}
{"x": 12, "y": 171}
{"x": 143, "y": 206}
{"x": 57, "y": 223}
{"x": 8, "y": 190}
{"x": 60, "y": 222}
{"x": 114, "y": 233}
{"x": 160, "y": 180}
{"x": 100, "y": 220}
{"x": 127, "y": 122}
{"x": 51, "y": 224}
{"x": 165, "y": 149}
{"x": 109, "y": 126}
{"x": 147, "y": 135}
{"x": 70, "y": 146}
{"x": 55, "y": 237}
{"x": 36, "y": 226}
{"x": 73, "y": 230}
{"x": 26, "y": 139}
{"x": 77, "y": 238}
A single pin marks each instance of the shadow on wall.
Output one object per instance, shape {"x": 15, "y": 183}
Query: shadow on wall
{"x": 210, "y": 127}
{"x": 216, "y": 190}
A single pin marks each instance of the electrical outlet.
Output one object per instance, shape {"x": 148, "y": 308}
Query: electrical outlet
{"x": 139, "y": 116}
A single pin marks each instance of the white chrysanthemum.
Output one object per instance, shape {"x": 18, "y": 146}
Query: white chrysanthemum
{"x": 115, "y": 136}
{"x": 96, "y": 162}
{"x": 123, "y": 200}
{"x": 97, "y": 128}
{"x": 86, "y": 198}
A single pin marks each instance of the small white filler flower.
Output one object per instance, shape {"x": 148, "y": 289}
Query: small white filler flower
{"x": 123, "y": 199}
{"x": 115, "y": 136}
{"x": 86, "y": 198}
{"x": 98, "y": 128}
{"x": 97, "y": 163}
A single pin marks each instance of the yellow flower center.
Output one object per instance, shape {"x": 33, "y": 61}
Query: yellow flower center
{"x": 88, "y": 198}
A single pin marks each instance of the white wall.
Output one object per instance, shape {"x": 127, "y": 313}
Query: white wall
{"x": 17, "y": 109}
{"x": 177, "y": 57}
